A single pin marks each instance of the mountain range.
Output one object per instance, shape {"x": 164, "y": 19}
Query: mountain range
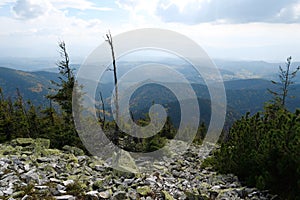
{"x": 246, "y": 85}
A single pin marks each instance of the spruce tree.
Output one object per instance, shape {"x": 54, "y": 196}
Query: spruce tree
{"x": 285, "y": 81}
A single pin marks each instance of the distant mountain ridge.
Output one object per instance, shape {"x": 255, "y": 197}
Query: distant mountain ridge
{"x": 243, "y": 95}
{"x": 33, "y": 86}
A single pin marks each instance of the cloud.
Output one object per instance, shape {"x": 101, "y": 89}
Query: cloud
{"x": 30, "y": 9}
{"x": 290, "y": 14}
{"x": 5, "y": 2}
{"x": 78, "y": 4}
{"x": 229, "y": 11}
{"x": 141, "y": 13}
{"x": 45, "y": 22}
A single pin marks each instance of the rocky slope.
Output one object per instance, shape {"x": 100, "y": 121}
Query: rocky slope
{"x": 30, "y": 170}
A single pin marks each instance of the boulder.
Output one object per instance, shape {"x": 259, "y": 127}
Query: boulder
{"x": 124, "y": 162}
{"x": 73, "y": 150}
{"x": 22, "y": 142}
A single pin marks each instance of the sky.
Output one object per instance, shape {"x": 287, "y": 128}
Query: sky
{"x": 266, "y": 30}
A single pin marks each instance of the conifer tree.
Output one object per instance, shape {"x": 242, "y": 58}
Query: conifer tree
{"x": 64, "y": 88}
{"x": 285, "y": 81}
{"x": 64, "y": 91}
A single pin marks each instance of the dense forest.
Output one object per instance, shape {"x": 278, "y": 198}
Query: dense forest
{"x": 263, "y": 149}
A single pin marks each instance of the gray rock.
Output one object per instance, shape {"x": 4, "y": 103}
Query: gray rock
{"x": 124, "y": 162}
{"x": 104, "y": 195}
{"x": 8, "y": 191}
{"x": 61, "y": 191}
{"x": 26, "y": 167}
{"x": 128, "y": 181}
{"x": 43, "y": 159}
{"x": 119, "y": 195}
{"x": 68, "y": 182}
{"x": 55, "y": 180}
{"x": 99, "y": 168}
{"x": 26, "y": 197}
{"x": 216, "y": 187}
{"x": 41, "y": 187}
{"x": 60, "y": 187}
{"x": 65, "y": 197}
{"x": 92, "y": 193}
{"x": 73, "y": 150}
{"x": 53, "y": 170}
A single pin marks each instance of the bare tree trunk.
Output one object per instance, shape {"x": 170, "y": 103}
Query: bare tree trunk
{"x": 110, "y": 42}
{"x": 102, "y": 119}
{"x": 51, "y": 112}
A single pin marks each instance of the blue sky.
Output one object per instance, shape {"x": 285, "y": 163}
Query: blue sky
{"x": 230, "y": 29}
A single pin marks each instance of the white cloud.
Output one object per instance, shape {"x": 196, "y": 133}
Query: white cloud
{"x": 213, "y": 11}
{"x": 290, "y": 13}
{"x": 30, "y": 9}
{"x": 230, "y": 11}
{"x": 141, "y": 13}
{"x": 243, "y": 40}
{"x": 78, "y": 4}
{"x": 5, "y": 2}
{"x": 38, "y": 26}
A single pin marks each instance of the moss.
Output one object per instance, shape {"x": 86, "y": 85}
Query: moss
{"x": 28, "y": 189}
{"x": 49, "y": 168}
{"x": 208, "y": 162}
{"x": 9, "y": 150}
{"x": 166, "y": 195}
{"x": 76, "y": 189}
{"x": 22, "y": 142}
{"x": 51, "y": 185}
{"x": 191, "y": 195}
{"x": 73, "y": 150}
{"x": 98, "y": 184}
{"x": 18, "y": 194}
{"x": 144, "y": 190}
{"x": 68, "y": 167}
{"x": 73, "y": 177}
{"x": 48, "y": 152}
{"x": 44, "y": 143}
{"x": 70, "y": 158}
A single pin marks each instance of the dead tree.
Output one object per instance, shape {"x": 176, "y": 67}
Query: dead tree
{"x": 102, "y": 119}
{"x": 110, "y": 42}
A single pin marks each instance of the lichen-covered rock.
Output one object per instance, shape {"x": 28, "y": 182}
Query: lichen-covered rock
{"x": 28, "y": 171}
{"x": 167, "y": 196}
{"x": 22, "y": 142}
{"x": 144, "y": 190}
{"x": 104, "y": 194}
{"x": 73, "y": 150}
{"x": 124, "y": 162}
{"x": 119, "y": 195}
{"x": 50, "y": 152}
{"x": 98, "y": 184}
{"x": 43, "y": 143}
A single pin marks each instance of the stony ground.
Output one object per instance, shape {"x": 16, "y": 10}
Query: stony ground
{"x": 30, "y": 170}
